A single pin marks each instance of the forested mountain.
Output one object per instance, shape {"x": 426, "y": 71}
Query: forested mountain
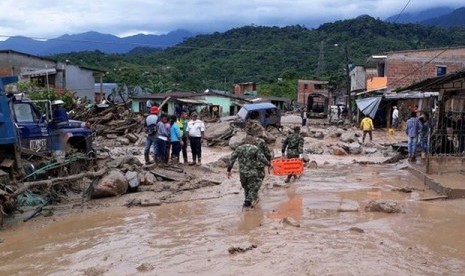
{"x": 265, "y": 54}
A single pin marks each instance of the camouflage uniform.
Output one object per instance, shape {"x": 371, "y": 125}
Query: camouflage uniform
{"x": 261, "y": 145}
{"x": 250, "y": 158}
{"x": 295, "y": 146}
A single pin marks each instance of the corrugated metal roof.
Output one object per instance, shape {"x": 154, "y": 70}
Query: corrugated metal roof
{"x": 259, "y": 106}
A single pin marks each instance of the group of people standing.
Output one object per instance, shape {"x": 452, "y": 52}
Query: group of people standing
{"x": 173, "y": 134}
{"x": 417, "y": 130}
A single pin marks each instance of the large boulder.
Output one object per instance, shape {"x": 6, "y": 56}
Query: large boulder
{"x": 334, "y": 132}
{"x": 384, "y": 206}
{"x": 370, "y": 150}
{"x": 317, "y": 134}
{"x": 147, "y": 178}
{"x": 355, "y": 148}
{"x": 113, "y": 184}
{"x": 216, "y": 131}
{"x": 132, "y": 178}
{"x": 237, "y": 140}
{"x": 348, "y": 137}
{"x": 254, "y": 128}
{"x": 314, "y": 148}
{"x": 338, "y": 151}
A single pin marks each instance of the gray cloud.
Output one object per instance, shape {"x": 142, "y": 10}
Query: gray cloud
{"x": 124, "y": 17}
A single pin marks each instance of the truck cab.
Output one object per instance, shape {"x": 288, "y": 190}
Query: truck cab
{"x": 39, "y": 134}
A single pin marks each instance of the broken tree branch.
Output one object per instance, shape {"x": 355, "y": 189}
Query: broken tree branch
{"x": 50, "y": 182}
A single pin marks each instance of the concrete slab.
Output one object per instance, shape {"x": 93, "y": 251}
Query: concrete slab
{"x": 451, "y": 185}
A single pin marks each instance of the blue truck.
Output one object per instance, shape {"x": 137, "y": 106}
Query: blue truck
{"x": 26, "y": 133}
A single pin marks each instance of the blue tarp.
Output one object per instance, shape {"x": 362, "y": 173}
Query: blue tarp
{"x": 369, "y": 106}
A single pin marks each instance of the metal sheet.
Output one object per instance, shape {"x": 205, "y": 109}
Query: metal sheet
{"x": 369, "y": 106}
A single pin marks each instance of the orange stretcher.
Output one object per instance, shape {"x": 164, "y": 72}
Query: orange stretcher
{"x": 287, "y": 166}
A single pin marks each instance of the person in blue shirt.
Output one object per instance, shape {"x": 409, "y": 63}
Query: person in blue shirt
{"x": 175, "y": 138}
{"x": 59, "y": 116}
{"x": 413, "y": 130}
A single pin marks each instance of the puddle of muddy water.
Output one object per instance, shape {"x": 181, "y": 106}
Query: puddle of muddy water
{"x": 192, "y": 238}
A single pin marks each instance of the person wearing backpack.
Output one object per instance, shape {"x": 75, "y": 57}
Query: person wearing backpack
{"x": 163, "y": 134}
{"x": 294, "y": 144}
{"x": 151, "y": 131}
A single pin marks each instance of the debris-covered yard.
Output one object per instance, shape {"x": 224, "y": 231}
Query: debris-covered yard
{"x": 357, "y": 209}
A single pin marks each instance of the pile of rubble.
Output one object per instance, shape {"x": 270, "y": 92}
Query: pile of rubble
{"x": 223, "y": 134}
{"x": 112, "y": 122}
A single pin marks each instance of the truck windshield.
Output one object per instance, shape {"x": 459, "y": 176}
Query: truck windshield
{"x": 24, "y": 113}
{"x": 242, "y": 113}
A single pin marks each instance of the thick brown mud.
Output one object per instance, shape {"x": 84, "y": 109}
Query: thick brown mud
{"x": 327, "y": 236}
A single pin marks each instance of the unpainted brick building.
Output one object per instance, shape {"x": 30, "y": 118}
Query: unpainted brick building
{"x": 403, "y": 68}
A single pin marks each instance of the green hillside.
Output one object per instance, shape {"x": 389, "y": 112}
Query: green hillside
{"x": 264, "y": 54}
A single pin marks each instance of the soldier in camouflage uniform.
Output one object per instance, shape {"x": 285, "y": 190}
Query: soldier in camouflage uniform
{"x": 261, "y": 145}
{"x": 250, "y": 158}
{"x": 295, "y": 146}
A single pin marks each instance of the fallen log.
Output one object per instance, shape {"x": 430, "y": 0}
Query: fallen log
{"x": 50, "y": 182}
{"x": 433, "y": 198}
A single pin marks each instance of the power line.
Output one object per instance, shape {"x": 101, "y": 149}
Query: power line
{"x": 402, "y": 11}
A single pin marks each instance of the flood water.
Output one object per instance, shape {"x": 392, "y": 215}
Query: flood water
{"x": 193, "y": 237}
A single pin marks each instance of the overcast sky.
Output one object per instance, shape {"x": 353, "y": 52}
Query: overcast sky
{"x": 48, "y": 19}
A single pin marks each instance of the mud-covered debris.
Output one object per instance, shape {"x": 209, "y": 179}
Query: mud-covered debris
{"x": 149, "y": 203}
{"x": 113, "y": 184}
{"x": 312, "y": 165}
{"x": 338, "y": 151}
{"x": 385, "y": 206}
{"x": 145, "y": 267}
{"x": 233, "y": 250}
{"x": 291, "y": 222}
{"x": 356, "y": 229}
{"x": 94, "y": 271}
{"x": 348, "y": 137}
{"x": 317, "y": 135}
{"x": 237, "y": 140}
{"x": 147, "y": 178}
{"x": 403, "y": 190}
{"x": 348, "y": 206}
{"x": 314, "y": 148}
{"x": 132, "y": 178}
{"x": 133, "y": 202}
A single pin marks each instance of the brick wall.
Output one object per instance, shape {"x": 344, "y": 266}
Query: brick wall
{"x": 304, "y": 91}
{"x": 406, "y": 68}
{"x": 4, "y": 72}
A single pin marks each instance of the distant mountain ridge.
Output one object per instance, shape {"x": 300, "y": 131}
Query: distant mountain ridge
{"x": 444, "y": 17}
{"x": 454, "y": 19}
{"x": 416, "y": 17}
{"x": 90, "y": 41}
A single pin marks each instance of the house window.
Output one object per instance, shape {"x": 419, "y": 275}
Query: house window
{"x": 441, "y": 70}
{"x": 305, "y": 86}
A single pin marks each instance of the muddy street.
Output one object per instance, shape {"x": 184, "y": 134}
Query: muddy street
{"x": 314, "y": 226}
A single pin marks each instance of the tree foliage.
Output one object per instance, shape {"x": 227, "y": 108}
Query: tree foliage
{"x": 264, "y": 55}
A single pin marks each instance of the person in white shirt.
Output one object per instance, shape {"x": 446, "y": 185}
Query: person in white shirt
{"x": 395, "y": 117}
{"x": 196, "y": 130}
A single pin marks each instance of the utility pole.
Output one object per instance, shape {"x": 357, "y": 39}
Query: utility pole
{"x": 321, "y": 59}
{"x": 346, "y": 52}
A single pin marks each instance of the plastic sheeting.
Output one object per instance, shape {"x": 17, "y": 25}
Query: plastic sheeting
{"x": 369, "y": 106}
